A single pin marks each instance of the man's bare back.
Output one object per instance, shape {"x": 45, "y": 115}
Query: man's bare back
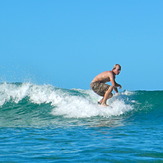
{"x": 104, "y": 77}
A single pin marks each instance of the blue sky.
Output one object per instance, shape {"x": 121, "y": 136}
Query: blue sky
{"x": 67, "y": 42}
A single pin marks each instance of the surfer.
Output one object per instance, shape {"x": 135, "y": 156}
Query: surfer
{"x": 98, "y": 84}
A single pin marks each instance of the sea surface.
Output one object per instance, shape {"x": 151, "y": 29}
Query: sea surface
{"x": 43, "y": 123}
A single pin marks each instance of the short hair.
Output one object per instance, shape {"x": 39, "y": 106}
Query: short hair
{"x": 116, "y": 66}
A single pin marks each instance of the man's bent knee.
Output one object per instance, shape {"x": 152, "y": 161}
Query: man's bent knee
{"x": 111, "y": 95}
{"x": 110, "y": 88}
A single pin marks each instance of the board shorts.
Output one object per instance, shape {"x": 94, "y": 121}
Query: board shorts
{"x": 99, "y": 88}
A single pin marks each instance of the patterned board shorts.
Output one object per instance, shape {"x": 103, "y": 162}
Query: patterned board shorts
{"x": 99, "y": 88}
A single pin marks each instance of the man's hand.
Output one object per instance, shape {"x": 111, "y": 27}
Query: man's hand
{"x": 120, "y": 86}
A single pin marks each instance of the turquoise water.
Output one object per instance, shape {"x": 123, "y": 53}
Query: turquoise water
{"x": 42, "y": 123}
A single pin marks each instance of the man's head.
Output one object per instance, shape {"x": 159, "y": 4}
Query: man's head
{"x": 116, "y": 69}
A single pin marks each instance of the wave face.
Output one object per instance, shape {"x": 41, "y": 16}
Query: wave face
{"x": 30, "y": 105}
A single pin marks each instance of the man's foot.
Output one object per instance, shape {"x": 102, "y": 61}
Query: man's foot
{"x": 104, "y": 104}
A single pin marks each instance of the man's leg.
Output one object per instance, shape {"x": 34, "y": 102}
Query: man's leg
{"x": 107, "y": 95}
{"x": 100, "y": 101}
{"x": 111, "y": 95}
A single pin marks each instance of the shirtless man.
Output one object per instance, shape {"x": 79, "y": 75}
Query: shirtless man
{"x": 98, "y": 84}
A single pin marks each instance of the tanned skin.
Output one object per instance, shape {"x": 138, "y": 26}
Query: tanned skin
{"x": 109, "y": 76}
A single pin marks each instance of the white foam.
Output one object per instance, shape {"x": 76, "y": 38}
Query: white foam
{"x": 65, "y": 103}
{"x": 37, "y": 93}
{"x": 12, "y": 92}
{"x": 126, "y": 92}
{"x": 44, "y": 94}
{"x": 78, "y": 107}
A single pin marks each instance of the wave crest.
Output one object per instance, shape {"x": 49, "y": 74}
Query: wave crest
{"x": 74, "y": 103}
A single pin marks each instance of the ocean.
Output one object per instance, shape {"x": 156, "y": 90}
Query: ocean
{"x": 43, "y": 123}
